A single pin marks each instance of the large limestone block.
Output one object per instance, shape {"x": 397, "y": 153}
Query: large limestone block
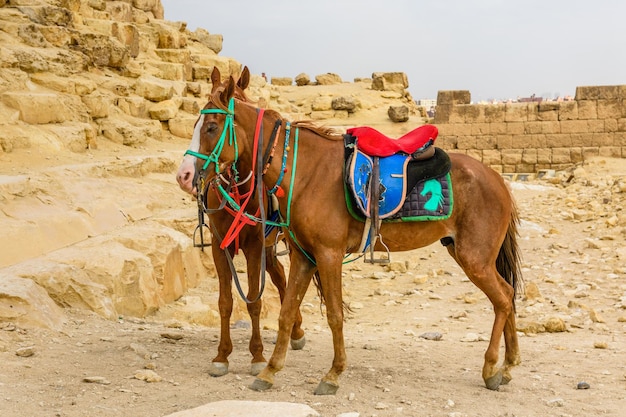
{"x": 127, "y": 275}
{"x": 389, "y": 81}
{"x": 23, "y": 136}
{"x": 169, "y": 71}
{"x": 348, "y": 104}
{"x": 328, "y": 79}
{"x": 121, "y": 131}
{"x": 75, "y": 136}
{"x": 38, "y": 108}
{"x": 213, "y": 42}
{"x": 165, "y": 110}
{"x": 146, "y": 5}
{"x": 173, "y": 257}
{"x": 453, "y": 97}
{"x": 178, "y": 56}
{"x": 604, "y": 92}
{"x": 48, "y": 15}
{"x": 322, "y": 103}
{"x": 8, "y": 115}
{"x": 133, "y": 106}
{"x": 33, "y": 60}
{"x": 98, "y": 105}
{"x": 191, "y": 105}
{"x": 170, "y": 35}
{"x": 130, "y": 131}
{"x": 120, "y": 11}
{"x": 74, "y": 85}
{"x": 182, "y": 125}
{"x": 67, "y": 284}
{"x": 25, "y": 303}
{"x": 154, "y": 89}
{"x": 211, "y": 60}
{"x": 58, "y": 36}
{"x": 102, "y": 50}
{"x": 126, "y": 33}
{"x": 398, "y": 114}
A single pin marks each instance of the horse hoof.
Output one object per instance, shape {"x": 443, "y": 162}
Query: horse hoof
{"x": 326, "y": 388}
{"x": 218, "y": 369}
{"x": 493, "y": 383}
{"x": 506, "y": 379}
{"x": 260, "y": 385}
{"x": 299, "y": 343}
{"x": 257, "y": 367}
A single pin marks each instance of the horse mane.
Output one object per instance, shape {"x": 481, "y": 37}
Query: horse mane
{"x": 326, "y": 132}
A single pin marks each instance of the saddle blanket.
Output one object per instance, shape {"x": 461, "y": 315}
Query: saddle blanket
{"x": 428, "y": 200}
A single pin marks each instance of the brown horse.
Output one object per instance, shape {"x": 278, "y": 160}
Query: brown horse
{"x": 480, "y": 234}
{"x": 251, "y": 242}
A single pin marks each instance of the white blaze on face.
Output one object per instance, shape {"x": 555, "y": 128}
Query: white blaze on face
{"x": 187, "y": 168}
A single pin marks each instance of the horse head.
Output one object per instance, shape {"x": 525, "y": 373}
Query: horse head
{"x": 221, "y": 92}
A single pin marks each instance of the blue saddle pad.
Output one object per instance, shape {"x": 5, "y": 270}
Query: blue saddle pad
{"x": 393, "y": 184}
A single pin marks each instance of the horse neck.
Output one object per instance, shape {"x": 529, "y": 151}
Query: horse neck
{"x": 315, "y": 153}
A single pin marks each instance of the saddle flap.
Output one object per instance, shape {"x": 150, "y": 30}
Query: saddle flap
{"x": 359, "y": 176}
{"x": 393, "y": 182}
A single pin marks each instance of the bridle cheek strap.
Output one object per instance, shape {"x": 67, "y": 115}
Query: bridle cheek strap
{"x": 240, "y": 219}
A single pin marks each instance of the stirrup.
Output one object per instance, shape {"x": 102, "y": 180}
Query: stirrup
{"x": 372, "y": 259}
{"x": 284, "y": 252}
{"x": 199, "y": 230}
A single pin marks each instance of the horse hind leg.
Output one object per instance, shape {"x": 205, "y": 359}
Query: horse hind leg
{"x": 512, "y": 355}
{"x": 485, "y": 276}
{"x": 299, "y": 278}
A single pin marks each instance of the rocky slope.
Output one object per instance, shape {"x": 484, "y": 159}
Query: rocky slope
{"x": 97, "y": 103}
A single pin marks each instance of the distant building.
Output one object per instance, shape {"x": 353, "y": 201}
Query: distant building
{"x": 427, "y": 102}
{"x": 531, "y": 99}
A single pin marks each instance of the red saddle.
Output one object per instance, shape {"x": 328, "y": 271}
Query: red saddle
{"x": 375, "y": 143}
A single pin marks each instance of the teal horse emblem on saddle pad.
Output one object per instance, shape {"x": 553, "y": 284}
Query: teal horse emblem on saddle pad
{"x": 435, "y": 201}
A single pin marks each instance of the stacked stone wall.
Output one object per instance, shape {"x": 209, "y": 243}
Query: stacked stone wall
{"x": 533, "y": 136}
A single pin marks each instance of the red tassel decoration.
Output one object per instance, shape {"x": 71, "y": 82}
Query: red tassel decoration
{"x": 280, "y": 192}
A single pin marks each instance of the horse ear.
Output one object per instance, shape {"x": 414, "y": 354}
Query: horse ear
{"x": 244, "y": 79}
{"x": 229, "y": 91}
{"x": 216, "y": 79}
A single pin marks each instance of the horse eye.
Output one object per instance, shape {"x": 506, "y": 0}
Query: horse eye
{"x": 211, "y": 128}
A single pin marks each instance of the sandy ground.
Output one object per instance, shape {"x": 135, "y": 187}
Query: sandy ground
{"x": 573, "y": 257}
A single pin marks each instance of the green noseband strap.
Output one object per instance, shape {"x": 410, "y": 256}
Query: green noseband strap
{"x": 229, "y": 127}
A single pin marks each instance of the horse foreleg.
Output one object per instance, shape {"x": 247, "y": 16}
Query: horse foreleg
{"x": 277, "y": 273}
{"x": 254, "y": 310}
{"x": 330, "y": 278}
{"x": 300, "y": 274}
{"x": 219, "y": 365}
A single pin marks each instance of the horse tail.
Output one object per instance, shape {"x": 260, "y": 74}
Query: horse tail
{"x": 318, "y": 286}
{"x": 508, "y": 262}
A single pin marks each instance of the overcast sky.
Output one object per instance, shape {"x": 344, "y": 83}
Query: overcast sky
{"x": 493, "y": 48}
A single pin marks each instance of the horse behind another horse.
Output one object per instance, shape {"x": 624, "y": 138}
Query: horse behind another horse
{"x": 251, "y": 241}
